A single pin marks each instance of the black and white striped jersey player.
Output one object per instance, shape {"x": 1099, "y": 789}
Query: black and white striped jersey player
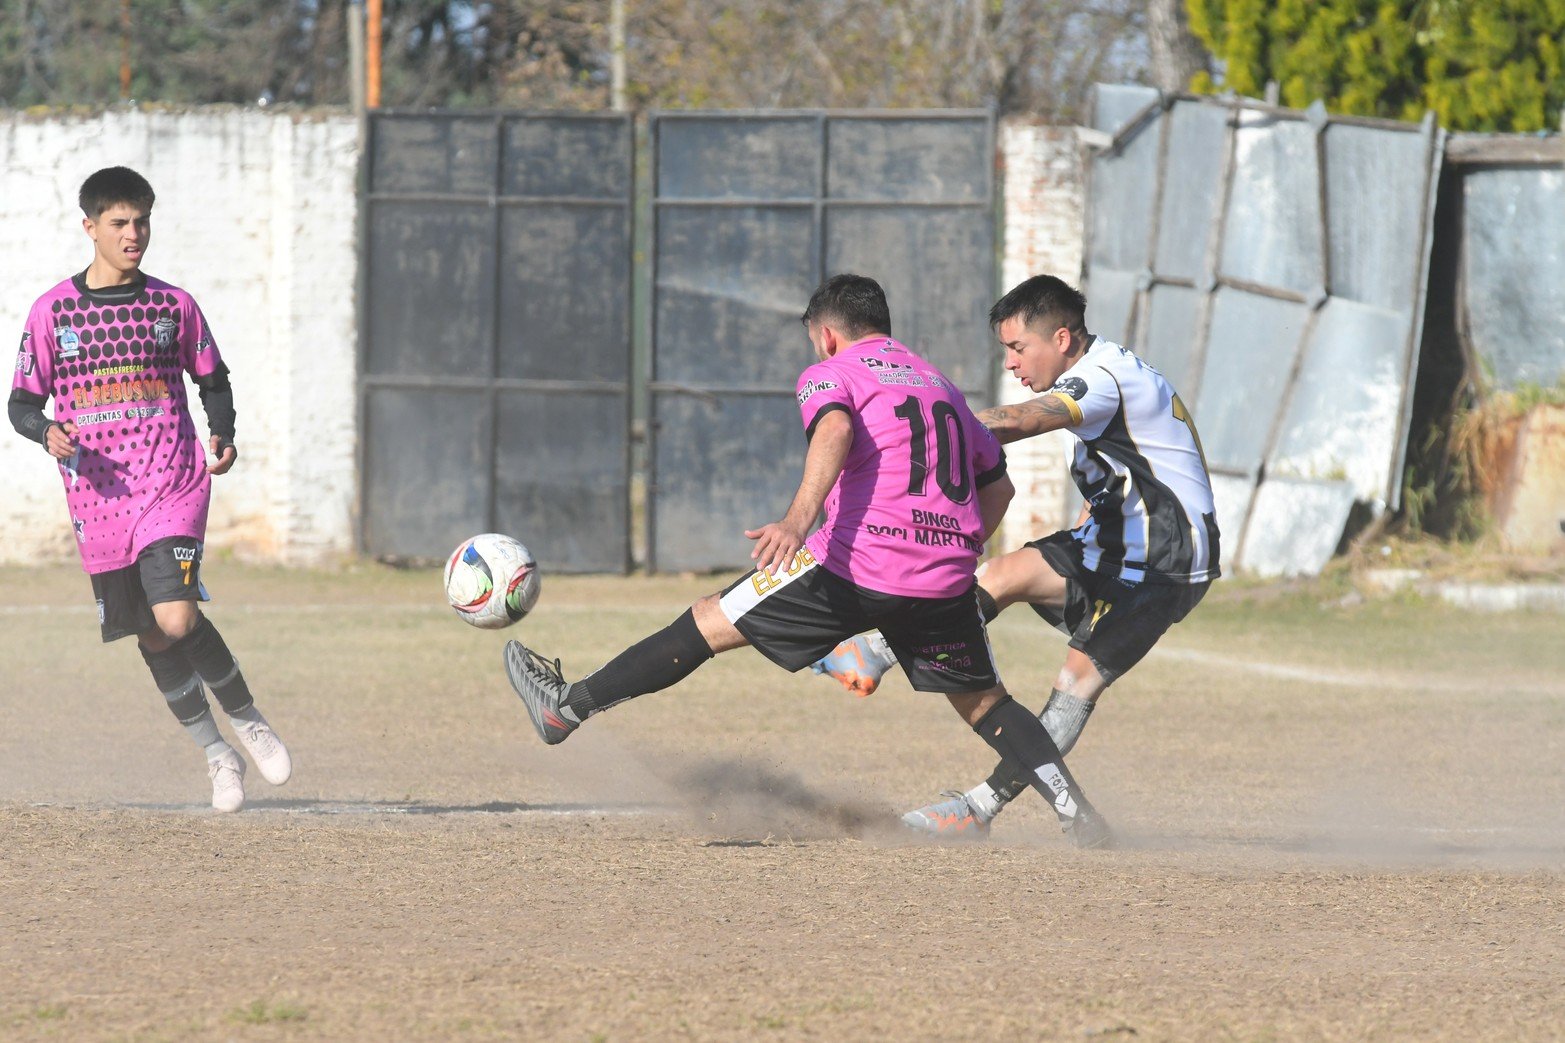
{"x": 1144, "y": 550}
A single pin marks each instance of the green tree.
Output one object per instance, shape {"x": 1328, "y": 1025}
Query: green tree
{"x": 1481, "y": 65}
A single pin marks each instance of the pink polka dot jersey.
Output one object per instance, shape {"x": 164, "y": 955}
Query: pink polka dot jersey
{"x": 114, "y": 361}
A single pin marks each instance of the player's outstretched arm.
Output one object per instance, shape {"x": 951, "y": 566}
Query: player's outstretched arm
{"x": 778, "y": 542}
{"x": 1025, "y": 419}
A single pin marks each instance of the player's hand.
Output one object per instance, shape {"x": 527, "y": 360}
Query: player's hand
{"x": 60, "y": 440}
{"x": 225, "y": 459}
{"x": 775, "y": 546}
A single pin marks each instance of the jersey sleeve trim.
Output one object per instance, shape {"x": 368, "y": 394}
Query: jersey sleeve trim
{"x": 1070, "y": 405}
{"x": 830, "y": 407}
{"x": 994, "y": 474}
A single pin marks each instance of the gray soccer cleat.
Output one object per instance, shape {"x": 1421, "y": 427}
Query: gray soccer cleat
{"x": 858, "y": 663}
{"x": 952, "y": 819}
{"x": 1089, "y": 830}
{"x": 542, "y": 688}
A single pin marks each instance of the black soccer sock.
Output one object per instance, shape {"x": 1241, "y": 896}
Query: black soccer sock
{"x": 1020, "y": 738}
{"x": 205, "y": 650}
{"x": 179, "y": 684}
{"x": 182, "y": 691}
{"x": 1063, "y": 718}
{"x": 651, "y": 665}
{"x": 987, "y": 606}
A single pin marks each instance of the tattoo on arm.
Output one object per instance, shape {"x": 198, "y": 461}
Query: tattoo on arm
{"x": 1025, "y": 419}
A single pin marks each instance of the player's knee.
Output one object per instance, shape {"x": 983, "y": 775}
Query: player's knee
{"x": 1081, "y": 680}
{"x": 176, "y": 624}
{"x": 975, "y": 706}
{"x": 1021, "y": 575}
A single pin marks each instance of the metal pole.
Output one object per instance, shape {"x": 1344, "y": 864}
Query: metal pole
{"x": 356, "y": 55}
{"x": 124, "y": 50}
{"x": 617, "y": 55}
{"x": 372, "y": 55}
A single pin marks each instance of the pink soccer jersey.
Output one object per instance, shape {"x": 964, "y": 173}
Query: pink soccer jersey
{"x": 903, "y": 518}
{"x": 114, "y": 362}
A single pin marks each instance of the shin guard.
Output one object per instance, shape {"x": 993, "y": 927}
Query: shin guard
{"x": 205, "y": 650}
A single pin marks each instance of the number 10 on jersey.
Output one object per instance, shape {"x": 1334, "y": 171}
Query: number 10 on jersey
{"x": 950, "y": 465}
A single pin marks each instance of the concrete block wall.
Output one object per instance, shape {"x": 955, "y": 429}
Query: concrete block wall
{"x": 1044, "y": 206}
{"x": 256, "y": 218}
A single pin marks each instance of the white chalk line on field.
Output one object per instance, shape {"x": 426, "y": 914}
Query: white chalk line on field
{"x": 322, "y": 607}
{"x": 1281, "y": 671}
{"x": 371, "y": 807}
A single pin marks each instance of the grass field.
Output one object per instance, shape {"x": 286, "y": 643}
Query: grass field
{"x": 1340, "y": 822}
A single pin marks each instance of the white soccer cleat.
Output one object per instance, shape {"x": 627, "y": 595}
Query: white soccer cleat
{"x": 267, "y": 750}
{"x": 228, "y": 781}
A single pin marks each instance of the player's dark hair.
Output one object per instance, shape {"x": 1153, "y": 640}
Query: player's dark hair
{"x": 1045, "y": 303}
{"x": 855, "y": 304}
{"x": 112, "y": 186}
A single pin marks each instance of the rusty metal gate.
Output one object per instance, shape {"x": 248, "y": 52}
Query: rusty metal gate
{"x": 750, "y": 211}
{"x": 495, "y": 347}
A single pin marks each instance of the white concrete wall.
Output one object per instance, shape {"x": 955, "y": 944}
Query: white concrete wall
{"x": 255, "y": 217}
{"x": 1044, "y": 231}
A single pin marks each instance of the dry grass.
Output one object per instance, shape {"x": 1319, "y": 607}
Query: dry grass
{"x": 1340, "y": 823}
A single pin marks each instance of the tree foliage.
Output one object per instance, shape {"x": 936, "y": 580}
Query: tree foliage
{"x": 1023, "y": 56}
{"x": 179, "y": 51}
{"x": 1494, "y": 65}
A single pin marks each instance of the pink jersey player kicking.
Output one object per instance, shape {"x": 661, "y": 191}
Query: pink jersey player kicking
{"x": 911, "y": 484}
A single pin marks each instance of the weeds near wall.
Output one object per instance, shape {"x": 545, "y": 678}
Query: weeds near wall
{"x": 1454, "y": 472}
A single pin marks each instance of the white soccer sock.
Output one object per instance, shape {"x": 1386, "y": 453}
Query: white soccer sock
{"x": 984, "y": 798}
{"x": 882, "y": 651}
{"x": 249, "y": 715}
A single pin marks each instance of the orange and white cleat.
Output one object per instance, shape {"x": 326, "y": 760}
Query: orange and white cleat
{"x": 955, "y": 818}
{"x": 858, "y": 663}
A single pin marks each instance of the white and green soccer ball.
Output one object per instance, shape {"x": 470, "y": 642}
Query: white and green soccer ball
{"x": 492, "y": 581}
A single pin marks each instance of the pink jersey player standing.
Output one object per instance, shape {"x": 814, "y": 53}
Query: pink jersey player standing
{"x": 111, "y": 346}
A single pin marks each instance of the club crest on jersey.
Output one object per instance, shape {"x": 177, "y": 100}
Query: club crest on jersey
{"x": 813, "y": 386}
{"x": 69, "y": 343}
{"x": 163, "y": 329}
{"x": 24, "y": 357}
{"x": 1075, "y": 387}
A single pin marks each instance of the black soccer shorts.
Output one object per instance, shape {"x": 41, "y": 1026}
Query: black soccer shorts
{"x": 1115, "y": 623}
{"x": 166, "y": 570}
{"x": 800, "y": 615}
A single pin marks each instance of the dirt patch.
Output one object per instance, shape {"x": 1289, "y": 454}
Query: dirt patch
{"x": 1327, "y": 836}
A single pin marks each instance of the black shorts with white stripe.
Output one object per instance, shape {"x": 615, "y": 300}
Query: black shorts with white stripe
{"x": 1115, "y": 623}
{"x": 799, "y": 615}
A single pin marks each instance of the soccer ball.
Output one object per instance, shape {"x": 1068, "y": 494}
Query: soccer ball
{"x": 492, "y": 581}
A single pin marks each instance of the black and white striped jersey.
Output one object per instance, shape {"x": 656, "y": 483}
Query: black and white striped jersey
{"x": 1140, "y": 467}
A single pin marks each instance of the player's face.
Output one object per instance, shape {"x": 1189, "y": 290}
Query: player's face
{"x": 1034, "y": 359}
{"x": 120, "y": 236}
